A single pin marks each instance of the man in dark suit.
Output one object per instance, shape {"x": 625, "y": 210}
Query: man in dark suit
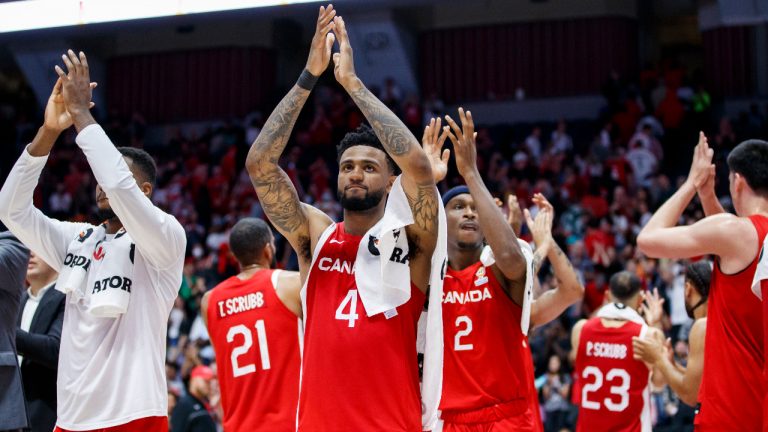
{"x": 37, "y": 341}
{"x": 13, "y": 260}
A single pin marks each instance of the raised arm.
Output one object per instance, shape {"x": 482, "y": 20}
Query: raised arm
{"x": 569, "y": 290}
{"x": 48, "y": 237}
{"x": 299, "y": 223}
{"x": 498, "y": 232}
{"x": 158, "y": 236}
{"x": 417, "y": 180}
{"x": 724, "y": 235}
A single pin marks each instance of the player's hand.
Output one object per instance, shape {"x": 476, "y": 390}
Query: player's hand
{"x": 652, "y": 308}
{"x": 648, "y": 349}
{"x": 541, "y": 227}
{"x": 75, "y": 83}
{"x": 514, "y": 214}
{"x": 343, "y": 61}
{"x": 56, "y": 116}
{"x": 702, "y": 169}
{"x": 432, "y": 141}
{"x": 322, "y": 41}
{"x": 463, "y": 139}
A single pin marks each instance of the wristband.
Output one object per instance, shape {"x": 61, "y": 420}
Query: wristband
{"x": 306, "y": 80}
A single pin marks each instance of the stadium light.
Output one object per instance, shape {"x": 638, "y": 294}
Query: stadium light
{"x": 41, "y": 14}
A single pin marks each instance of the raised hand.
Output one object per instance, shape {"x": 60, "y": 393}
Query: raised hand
{"x": 56, "y": 116}
{"x": 541, "y": 227}
{"x": 75, "y": 83}
{"x": 463, "y": 138}
{"x": 432, "y": 141}
{"x": 702, "y": 171}
{"x": 649, "y": 349}
{"x": 652, "y": 308}
{"x": 343, "y": 62}
{"x": 514, "y": 214}
{"x": 322, "y": 41}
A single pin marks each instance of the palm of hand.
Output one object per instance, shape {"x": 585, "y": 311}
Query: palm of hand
{"x": 56, "y": 115}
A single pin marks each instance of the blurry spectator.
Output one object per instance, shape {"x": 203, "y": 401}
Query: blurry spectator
{"x": 643, "y": 162}
{"x": 554, "y": 396}
{"x": 561, "y": 141}
{"x": 60, "y": 202}
{"x": 533, "y": 143}
{"x": 191, "y": 411}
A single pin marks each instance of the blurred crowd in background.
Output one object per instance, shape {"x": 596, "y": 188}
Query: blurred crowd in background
{"x": 605, "y": 175}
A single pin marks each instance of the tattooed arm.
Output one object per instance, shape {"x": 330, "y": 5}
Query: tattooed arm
{"x": 404, "y": 148}
{"x": 300, "y": 223}
{"x": 569, "y": 290}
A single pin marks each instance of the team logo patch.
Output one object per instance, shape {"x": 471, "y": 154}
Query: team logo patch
{"x": 373, "y": 244}
{"x": 99, "y": 253}
{"x": 480, "y": 277}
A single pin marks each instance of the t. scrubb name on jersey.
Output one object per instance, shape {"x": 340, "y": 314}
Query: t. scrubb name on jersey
{"x": 606, "y": 350}
{"x": 244, "y": 303}
{"x": 473, "y": 296}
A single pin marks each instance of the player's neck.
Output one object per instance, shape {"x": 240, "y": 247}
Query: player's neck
{"x": 700, "y": 312}
{"x": 757, "y": 206}
{"x": 461, "y": 258}
{"x": 113, "y": 226}
{"x": 247, "y": 271}
{"x": 358, "y": 223}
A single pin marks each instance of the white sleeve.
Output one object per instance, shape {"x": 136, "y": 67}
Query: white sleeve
{"x": 46, "y": 237}
{"x": 159, "y": 237}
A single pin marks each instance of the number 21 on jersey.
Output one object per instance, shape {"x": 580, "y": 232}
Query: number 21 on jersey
{"x": 261, "y": 334}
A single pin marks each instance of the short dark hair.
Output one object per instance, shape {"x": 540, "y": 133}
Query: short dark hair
{"x": 143, "y": 161}
{"x": 624, "y": 285}
{"x": 248, "y": 238}
{"x": 699, "y": 274}
{"x": 750, "y": 160}
{"x": 365, "y": 136}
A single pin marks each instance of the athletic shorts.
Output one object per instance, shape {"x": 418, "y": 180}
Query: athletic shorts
{"x": 146, "y": 424}
{"x": 508, "y": 417}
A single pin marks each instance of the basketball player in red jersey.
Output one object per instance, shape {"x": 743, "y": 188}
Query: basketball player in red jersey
{"x": 685, "y": 381}
{"x": 733, "y": 388}
{"x": 254, "y": 323}
{"x": 358, "y": 372}
{"x": 614, "y": 387}
{"x": 483, "y": 393}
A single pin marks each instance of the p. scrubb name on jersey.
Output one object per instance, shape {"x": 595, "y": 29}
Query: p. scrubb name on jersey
{"x": 239, "y": 304}
{"x": 606, "y": 350}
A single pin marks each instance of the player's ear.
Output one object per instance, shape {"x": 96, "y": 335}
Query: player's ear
{"x": 390, "y": 182}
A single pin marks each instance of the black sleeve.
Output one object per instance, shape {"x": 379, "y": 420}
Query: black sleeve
{"x": 42, "y": 348}
{"x": 13, "y": 262}
{"x": 179, "y": 416}
{"x": 202, "y": 422}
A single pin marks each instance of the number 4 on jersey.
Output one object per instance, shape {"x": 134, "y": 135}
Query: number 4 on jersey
{"x": 351, "y": 316}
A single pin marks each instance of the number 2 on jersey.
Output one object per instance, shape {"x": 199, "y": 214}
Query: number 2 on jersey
{"x": 621, "y": 390}
{"x": 351, "y": 300}
{"x": 261, "y": 335}
{"x": 457, "y": 345}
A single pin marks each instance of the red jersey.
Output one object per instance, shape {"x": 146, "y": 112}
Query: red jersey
{"x": 533, "y": 393}
{"x": 733, "y": 351}
{"x": 258, "y": 347}
{"x": 485, "y": 353}
{"x": 359, "y": 372}
{"x": 614, "y": 387}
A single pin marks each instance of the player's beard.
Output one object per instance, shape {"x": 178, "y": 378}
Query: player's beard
{"x": 369, "y": 201}
{"x": 105, "y": 214}
{"x": 690, "y": 309}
